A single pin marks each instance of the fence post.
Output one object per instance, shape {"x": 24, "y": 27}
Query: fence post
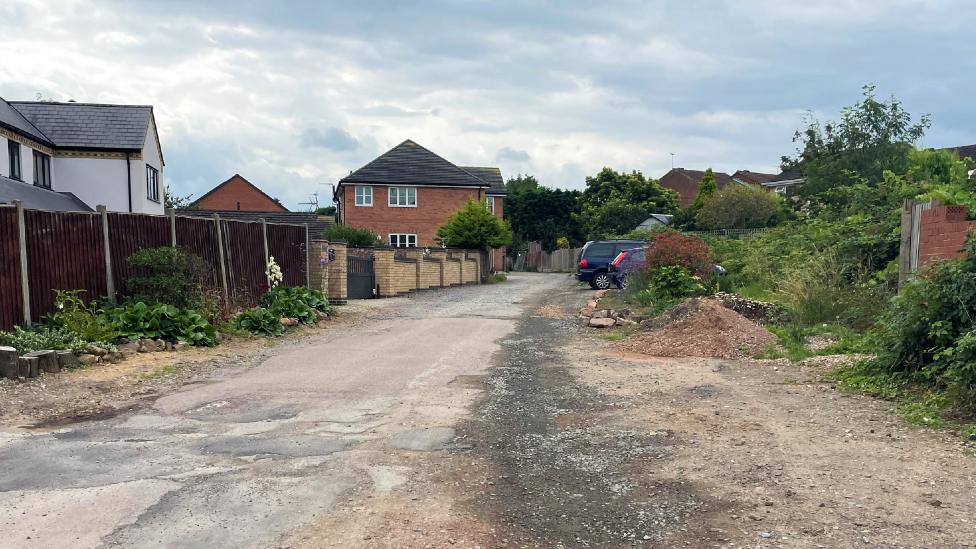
{"x": 220, "y": 250}
{"x": 171, "y": 214}
{"x": 22, "y": 239}
{"x": 107, "y": 246}
{"x": 264, "y": 238}
{"x": 308, "y": 259}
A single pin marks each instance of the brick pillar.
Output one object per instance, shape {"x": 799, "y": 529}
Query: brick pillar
{"x": 416, "y": 254}
{"x": 476, "y": 255}
{"x": 338, "y": 280}
{"x": 441, "y": 256}
{"x": 383, "y": 267}
{"x": 318, "y": 270}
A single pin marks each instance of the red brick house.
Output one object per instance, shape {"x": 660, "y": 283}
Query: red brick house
{"x": 406, "y": 193}
{"x": 685, "y": 183}
{"x": 237, "y": 194}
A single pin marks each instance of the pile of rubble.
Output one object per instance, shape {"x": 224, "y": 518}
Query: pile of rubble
{"x": 757, "y": 311}
{"x": 607, "y": 318}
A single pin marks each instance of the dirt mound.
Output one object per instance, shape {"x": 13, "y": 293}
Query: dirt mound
{"x": 701, "y": 327}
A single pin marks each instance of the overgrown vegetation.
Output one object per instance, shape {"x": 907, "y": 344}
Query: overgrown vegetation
{"x": 160, "y": 321}
{"x": 352, "y": 236}
{"x": 43, "y": 338}
{"x": 259, "y": 320}
{"x": 166, "y": 275}
{"x": 296, "y": 302}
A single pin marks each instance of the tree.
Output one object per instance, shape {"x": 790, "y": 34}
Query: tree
{"x": 175, "y": 201}
{"x": 353, "y": 237}
{"x": 540, "y": 214}
{"x": 521, "y": 183}
{"x": 473, "y": 226}
{"x": 739, "y": 207}
{"x": 615, "y": 203}
{"x": 706, "y": 188}
{"x": 872, "y": 137}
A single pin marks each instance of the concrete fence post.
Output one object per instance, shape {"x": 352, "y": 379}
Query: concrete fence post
{"x": 308, "y": 258}
{"x": 264, "y": 240}
{"x": 107, "y": 246}
{"x": 22, "y": 245}
{"x": 171, "y": 214}
{"x": 220, "y": 256}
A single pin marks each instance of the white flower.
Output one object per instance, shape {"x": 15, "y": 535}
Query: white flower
{"x": 273, "y": 272}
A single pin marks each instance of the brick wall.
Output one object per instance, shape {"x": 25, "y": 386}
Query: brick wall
{"x": 434, "y": 206}
{"x": 430, "y": 273}
{"x": 942, "y": 233}
{"x": 238, "y": 192}
{"x": 404, "y": 275}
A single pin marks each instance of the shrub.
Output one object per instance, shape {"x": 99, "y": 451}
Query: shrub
{"x": 138, "y": 321}
{"x": 473, "y": 226}
{"x": 817, "y": 291}
{"x": 562, "y": 243}
{"x": 671, "y": 248}
{"x": 166, "y": 275}
{"x": 739, "y": 207}
{"x": 295, "y": 302}
{"x": 352, "y": 236}
{"x": 675, "y": 282}
{"x": 259, "y": 320}
{"x": 44, "y": 338}
{"x": 80, "y": 318}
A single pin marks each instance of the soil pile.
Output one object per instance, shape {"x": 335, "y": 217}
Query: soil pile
{"x": 701, "y": 327}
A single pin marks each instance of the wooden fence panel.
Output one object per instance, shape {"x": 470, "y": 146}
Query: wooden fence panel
{"x": 65, "y": 251}
{"x": 244, "y": 255}
{"x": 286, "y": 243}
{"x": 129, "y": 233}
{"x": 199, "y": 237}
{"x": 11, "y": 299}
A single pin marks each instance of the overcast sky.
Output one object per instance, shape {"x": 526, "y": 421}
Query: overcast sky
{"x": 295, "y": 95}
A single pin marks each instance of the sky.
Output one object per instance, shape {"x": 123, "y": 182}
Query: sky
{"x": 295, "y": 95}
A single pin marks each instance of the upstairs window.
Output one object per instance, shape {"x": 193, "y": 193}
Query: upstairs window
{"x": 490, "y": 203}
{"x": 42, "y": 170}
{"x": 403, "y": 197}
{"x": 399, "y": 240}
{"x": 152, "y": 183}
{"x": 364, "y": 195}
{"x": 13, "y": 150}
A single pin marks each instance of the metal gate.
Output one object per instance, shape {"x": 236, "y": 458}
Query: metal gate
{"x": 360, "y": 277}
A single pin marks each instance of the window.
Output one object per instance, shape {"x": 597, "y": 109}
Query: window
{"x": 364, "y": 195}
{"x": 400, "y": 240}
{"x": 152, "y": 183}
{"x": 42, "y": 170}
{"x": 403, "y": 197}
{"x": 13, "y": 149}
{"x": 490, "y": 202}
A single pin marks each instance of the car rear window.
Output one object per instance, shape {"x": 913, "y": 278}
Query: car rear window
{"x": 599, "y": 249}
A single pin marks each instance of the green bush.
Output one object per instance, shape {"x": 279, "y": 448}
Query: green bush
{"x": 296, "y": 302}
{"x": 138, "y": 321}
{"x": 739, "y": 207}
{"x": 352, "y": 236}
{"x": 44, "y": 338}
{"x": 259, "y": 321}
{"x": 166, "y": 275}
{"x": 474, "y": 227}
{"x": 675, "y": 282}
{"x": 80, "y": 318}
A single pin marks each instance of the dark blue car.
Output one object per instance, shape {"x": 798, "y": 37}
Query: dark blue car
{"x": 595, "y": 258}
{"x": 625, "y": 264}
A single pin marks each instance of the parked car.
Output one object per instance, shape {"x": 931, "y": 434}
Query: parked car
{"x": 595, "y": 258}
{"x": 625, "y": 264}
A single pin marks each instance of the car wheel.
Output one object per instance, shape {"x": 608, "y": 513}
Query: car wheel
{"x": 601, "y": 281}
{"x": 622, "y": 282}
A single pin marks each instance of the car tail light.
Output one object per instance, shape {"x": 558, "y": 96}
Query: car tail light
{"x": 616, "y": 262}
{"x": 583, "y": 263}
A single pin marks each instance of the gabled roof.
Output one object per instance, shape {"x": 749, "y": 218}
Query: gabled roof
{"x": 685, "y": 183}
{"x": 37, "y": 198}
{"x": 88, "y": 125}
{"x": 240, "y": 178}
{"x": 752, "y": 178}
{"x": 492, "y": 176}
{"x": 409, "y": 163}
{"x": 13, "y": 120}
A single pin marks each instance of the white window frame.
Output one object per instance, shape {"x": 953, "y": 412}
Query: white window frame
{"x": 403, "y": 240}
{"x": 401, "y": 193}
{"x": 152, "y": 183}
{"x": 490, "y": 203}
{"x": 367, "y": 193}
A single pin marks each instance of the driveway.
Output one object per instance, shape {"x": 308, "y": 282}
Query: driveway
{"x": 279, "y": 453}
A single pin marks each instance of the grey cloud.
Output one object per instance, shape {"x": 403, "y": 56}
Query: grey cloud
{"x": 333, "y": 139}
{"x": 508, "y": 154}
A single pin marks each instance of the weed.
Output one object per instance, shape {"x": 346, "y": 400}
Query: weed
{"x": 162, "y": 372}
{"x": 496, "y": 278}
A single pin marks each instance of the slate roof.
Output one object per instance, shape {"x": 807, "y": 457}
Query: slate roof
{"x": 36, "y": 198}
{"x": 492, "y": 176}
{"x": 965, "y": 151}
{"x": 753, "y": 178}
{"x": 787, "y": 175}
{"x": 409, "y": 163}
{"x": 88, "y": 125}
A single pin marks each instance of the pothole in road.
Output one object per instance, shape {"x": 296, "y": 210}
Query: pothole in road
{"x": 425, "y": 440}
{"x": 293, "y": 446}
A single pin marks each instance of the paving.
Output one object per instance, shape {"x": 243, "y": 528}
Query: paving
{"x": 241, "y": 460}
